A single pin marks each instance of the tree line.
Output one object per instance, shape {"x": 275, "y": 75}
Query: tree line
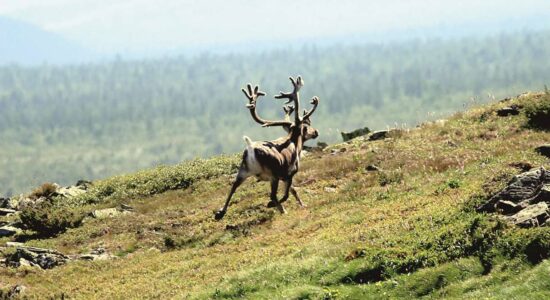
{"x": 63, "y": 123}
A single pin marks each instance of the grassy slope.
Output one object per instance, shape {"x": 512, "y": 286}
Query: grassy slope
{"x": 407, "y": 231}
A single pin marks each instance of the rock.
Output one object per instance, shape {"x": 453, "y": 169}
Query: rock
{"x": 32, "y": 256}
{"x": 71, "y": 191}
{"x": 126, "y": 207}
{"x": 14, "y": 244}
{"x": 4, "y": 202}
{"x": 322, "y": 145}
{"x": 16, "y": 291}
{"x": 525, "y": 186}
{"x": 382, "y": 134}
{"x": 6, "y": 211}
{"x": 531, "y": 216}
{"x": 507, "y": 207}
{"x": 96, "y": 254}
{"x": 346, "y": 136}
{"x": 543, "y": 195}
{"x": 543, "y": 150}
{"x": 508, "y": 111}
{"x": 379, "y": 135}
{"x": 372, "y": 168}
{"x": 523, "y": 166}
{"x": 330, "y": 190}
{"x": 9, "y": 231}
{"x": 84, "y": 184}
{"x": 24, "y": 263}
{"x": 108, "y": 212}
{"x": 27, "y": 202}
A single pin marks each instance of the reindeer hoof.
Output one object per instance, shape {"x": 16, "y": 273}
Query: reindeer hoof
{"x": 219, "y": 215}
{"x": 272, "y": 204}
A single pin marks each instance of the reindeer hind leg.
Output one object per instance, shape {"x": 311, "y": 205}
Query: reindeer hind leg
{"x": 241, "y": 177}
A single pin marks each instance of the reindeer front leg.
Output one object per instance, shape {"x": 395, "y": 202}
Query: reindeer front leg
{"x": 295, "y": 194}
{"x": 274, "y": 202}
{"x": 291, "y": 189}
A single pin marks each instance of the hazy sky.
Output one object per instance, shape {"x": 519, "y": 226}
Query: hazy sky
{"x": 128, "y": 25}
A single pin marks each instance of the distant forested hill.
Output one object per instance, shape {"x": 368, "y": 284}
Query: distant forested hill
{"x": 88, "y": 121}
{"x": 24, "y": 42}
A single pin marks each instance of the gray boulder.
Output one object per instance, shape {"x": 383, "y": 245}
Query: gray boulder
{"x": 32, "y": 256}
{"x": 111, "y": 212}
{"x": 532, "y": 216}
{"x": 346, "y": 136}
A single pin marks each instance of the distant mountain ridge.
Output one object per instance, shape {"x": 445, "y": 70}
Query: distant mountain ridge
{"x": 27, "y": 44}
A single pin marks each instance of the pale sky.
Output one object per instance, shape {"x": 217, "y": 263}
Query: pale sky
{"x": 126, "y": 25}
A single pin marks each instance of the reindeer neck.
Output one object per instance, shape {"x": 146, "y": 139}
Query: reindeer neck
{"x": 296, "y": 137}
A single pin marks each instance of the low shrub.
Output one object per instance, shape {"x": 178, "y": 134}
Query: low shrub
{"x": 538, "y": 113}
{"x": 158, "y": 180}
{"x": 46, "y": 219}
{"x": 45, "y": 190}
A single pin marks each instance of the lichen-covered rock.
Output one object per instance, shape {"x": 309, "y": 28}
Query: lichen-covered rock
{"x": 507, "y": 207}
{"x": 71, "y": 191}
{"x": 110, "y": 212}
{"x": 96, "y": 254}
{"x": 32, "y": 256}
{"x": 532, "y": 216}
{"x": 9, "y": 231}
{"x": 525, "y": 186}
{"x": 525, "y": 201}
{"x": 346, "y": 136}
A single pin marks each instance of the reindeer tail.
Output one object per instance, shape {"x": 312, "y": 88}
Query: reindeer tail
{"x": 248, "y": 141}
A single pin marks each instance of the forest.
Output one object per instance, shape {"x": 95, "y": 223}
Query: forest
{"x": 89, "y": 121}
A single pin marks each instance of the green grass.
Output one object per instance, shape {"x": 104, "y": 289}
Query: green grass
{"x": 408, "y": 231}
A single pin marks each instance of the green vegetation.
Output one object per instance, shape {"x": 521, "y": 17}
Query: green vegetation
{"x": 538, "y": 113}
{"x": 46, "y": 219}
{"x": 407, "y": 231}
{"x": 62, "y": 124}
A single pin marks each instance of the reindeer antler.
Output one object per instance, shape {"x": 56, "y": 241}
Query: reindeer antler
{"x": 293, "y": 96}
{"x": 288, "y": 111}
{"x": 253, "y": 95}
{"x": 315, "y": 102}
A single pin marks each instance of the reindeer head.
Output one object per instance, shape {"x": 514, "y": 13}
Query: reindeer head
{"x": 301, "y": 125}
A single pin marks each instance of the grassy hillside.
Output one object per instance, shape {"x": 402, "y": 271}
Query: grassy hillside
{"x": 409, "y": 230}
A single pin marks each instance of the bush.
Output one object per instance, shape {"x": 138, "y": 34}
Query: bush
{"x": 47, "y": 220}
{"x": 45, "y": 190}
{"x": 538, "y": 113}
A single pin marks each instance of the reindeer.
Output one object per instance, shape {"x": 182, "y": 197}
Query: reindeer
{"x": 278, "y": 159}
